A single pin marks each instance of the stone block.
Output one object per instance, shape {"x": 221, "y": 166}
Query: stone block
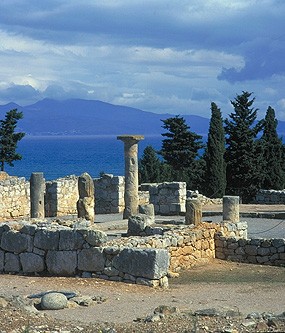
{"x": 91, "y": 260}
{"x": 146, "y": 263}
{"x": 263, "y": 251}
{"x": 46, "y": 239}
{"x": 138, "y": 223}
{"x": 70, "y": 240}
{"x": 12, "y": 263}
{"x": 2, "y": 257}
{"x": 250, "y": 250}
{"x": 93, "y": 237}
{"x": 32, "y": 262}
{"x": 62, "y": 263}
{"x": 278, "y": 242}
{"x": 16, "y": 242}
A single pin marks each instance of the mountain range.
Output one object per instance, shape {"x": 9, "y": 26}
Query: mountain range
{"x": 92, "y": 117}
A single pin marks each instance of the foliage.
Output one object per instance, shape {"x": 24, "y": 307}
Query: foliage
{"x": 180, "y": 150}
{"x": 149, "y": 166}
{"x": 273, "y": 154}
{"x": 215, "y": 166}
{"x": 9, "y": 139}
{"x": 242, "y": 157}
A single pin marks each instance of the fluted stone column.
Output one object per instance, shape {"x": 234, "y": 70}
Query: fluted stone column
{"x": 193, "y": 212}
{"x": 131, "y": 173}
{"x": 231, "y": 208}
{"x": 37, "y": 195}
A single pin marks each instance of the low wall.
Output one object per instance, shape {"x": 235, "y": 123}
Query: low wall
{"x": 272, "y": 197}
{"x": 14, "y": 197}
{"x": 46, "y": 248}
{"x": 254, "y": 251}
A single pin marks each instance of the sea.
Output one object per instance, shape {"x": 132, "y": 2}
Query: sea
{"x": 61, "y": 156}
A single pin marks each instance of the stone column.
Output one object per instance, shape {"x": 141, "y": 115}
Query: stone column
{"x": 86, "y": 202}
{"x": 37, "y": 195}
{"x": 193, "y": 212}
{"x": 231, "y": 208}
{"x": 131, "y": 173}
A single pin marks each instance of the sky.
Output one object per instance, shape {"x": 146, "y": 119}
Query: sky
{"x": 162, "y": 56}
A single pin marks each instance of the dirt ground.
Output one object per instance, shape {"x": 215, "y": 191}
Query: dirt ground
{"x": 243, "y": 288}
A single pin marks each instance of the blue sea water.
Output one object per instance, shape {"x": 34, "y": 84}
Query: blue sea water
{"x": 60, "y": 156}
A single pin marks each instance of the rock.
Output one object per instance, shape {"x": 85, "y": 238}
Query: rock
{"x": 3, "y": 302}
{"x": 261, "y": 326}
{"x": 53, "y": 301}
{"x": 248, "y": 323}
{"x": 138, "y": 223}
{"x": 207, "y": 313}
{"x": 86, "y": 204}
{"x": 166, "y": 310}
{"x": 83, "y": 300}
{"x": 61, "y": 262}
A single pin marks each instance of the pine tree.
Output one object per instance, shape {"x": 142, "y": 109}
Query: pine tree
{"x": 242, "y": 157}
{"x": 9, "y": 139}
{"x": 149, "y": 166}
{"x": 180, "y": 149}
{"x": 215, "y": 166}
{"x": 273, "y": 154}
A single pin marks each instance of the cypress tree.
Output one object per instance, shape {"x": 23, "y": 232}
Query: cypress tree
{"x": 242, "y": 157}
{"x": 149, "y": 166}
{"x": 9, "y": 139}
{"x": 273, "y": 153}
{"x": 180, "y": 149}
{"x": 215, "y": 166}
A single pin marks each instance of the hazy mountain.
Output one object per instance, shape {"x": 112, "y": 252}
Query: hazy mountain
{"x": 89, "y": 117}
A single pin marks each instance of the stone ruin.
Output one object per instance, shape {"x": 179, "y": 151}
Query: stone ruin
{"x": 148, "y": 254}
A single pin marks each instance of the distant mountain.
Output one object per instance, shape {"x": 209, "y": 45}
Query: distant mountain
{"x": 90, "y": 117}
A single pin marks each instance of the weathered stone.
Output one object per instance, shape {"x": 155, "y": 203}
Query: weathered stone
{"x": 61, "y": 262}
{"x": 17, "y": 242}
{"x": 231, "y": 208}
{"x": 37, "y": 192}
{"x": 193, "y": 212}
{"x": 12, "y": 263}
{"x": 2, "y": 256}
{"x": 32, "y": 263}
{"x": 137, "y": 224}
{"x": 131, "y": 173}
{"x": 147, "y": 209}
{"x": 53, "y": 301}
{"x": 93, "y": 237}
{"x": 46, "y": 239}
{"x": 70, "y": 240}
{"x": 91, "y": 260}
{"x": 86, "y": 204}
{"x": 146, "y": 263}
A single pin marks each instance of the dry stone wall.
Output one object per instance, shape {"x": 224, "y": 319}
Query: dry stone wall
{"x": 61, "y": 196}
{"x": 254, "y": 251}
{"x": 168, "y": 198}
{"x": 109, "y": 194}
{"x": 14, "y": 197}
{"x": 271, "y": 197}
{"x": 77, "y": 249}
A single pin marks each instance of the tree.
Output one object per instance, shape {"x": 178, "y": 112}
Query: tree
{"x": 9, "y": 139}
{"x": 149, "y": 166}
{"x": 273, "y": 154}
{"x": 242, "y": 157}
{"x": 215, "y": 166}
{"x": 180, "y": 149}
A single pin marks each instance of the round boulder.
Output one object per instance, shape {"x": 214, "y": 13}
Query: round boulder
{"x": 53, "y": 301}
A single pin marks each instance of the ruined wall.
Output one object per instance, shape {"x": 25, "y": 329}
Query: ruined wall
{"x": 271, "y": 197}
{"x": 254, "y": 251}
{"x": 109, "y": 194}
{"x": 14, "y": 197}
{"x": 168, "y": 198}
{"x": 61, "y": 196}
{"x": 77, "y": 249}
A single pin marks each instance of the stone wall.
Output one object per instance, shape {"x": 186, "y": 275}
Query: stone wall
{"x": 168, "y": 198}
{"x": 14, "y": 197}
{"x": 109, "y": 194}
{"x": 77, "y": 249}
{"x": 270, "y": 197}
{"x": 61, "y": 196}
{"x": 254, "y": 251}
